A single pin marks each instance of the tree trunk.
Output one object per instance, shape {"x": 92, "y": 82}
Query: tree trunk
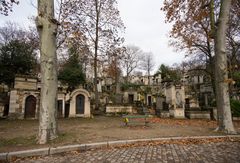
{"x": 95, "y": 58}
{"x": 221, "y": 73}
{"x": 47, "y": 27}
{"x": 96, "y": 81}
{"x": 117, "y": 83}
{"x": 212, "y": 76}
{"x": 148, "y": 77}
{"x": 127, "y": 77}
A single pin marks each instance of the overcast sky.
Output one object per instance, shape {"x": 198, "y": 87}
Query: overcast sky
{"x": 144, "y": 23}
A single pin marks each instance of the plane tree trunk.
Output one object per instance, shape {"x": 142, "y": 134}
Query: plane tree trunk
{"x": 47, "y": 28}
{"x": 221, "y": 71}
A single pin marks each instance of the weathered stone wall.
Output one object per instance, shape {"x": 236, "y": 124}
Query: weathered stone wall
{"x": 17, "y": 103}
{"x": 25, "y": 83}
{"x": 119, "y": 109}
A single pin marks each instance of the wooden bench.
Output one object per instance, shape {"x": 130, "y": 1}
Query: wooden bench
{"x": 130, "y": 118}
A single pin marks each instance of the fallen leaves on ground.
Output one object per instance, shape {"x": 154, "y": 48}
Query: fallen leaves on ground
{"x": 182, "y": 122}
{"x": 187, "y": 141}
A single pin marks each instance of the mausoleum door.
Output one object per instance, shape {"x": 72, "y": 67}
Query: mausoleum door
{"x": 80, "y": 101}
{"x": 30, "y": 107}
{"x": 130, "y": 98}
{"x": 149, "y": 101}
{"x": 60, "y": 108}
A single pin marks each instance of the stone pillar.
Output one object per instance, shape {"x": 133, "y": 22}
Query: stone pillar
{"x": 13, "y": 105}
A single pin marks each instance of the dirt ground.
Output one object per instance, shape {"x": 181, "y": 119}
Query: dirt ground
{"x": 21, "y": 134}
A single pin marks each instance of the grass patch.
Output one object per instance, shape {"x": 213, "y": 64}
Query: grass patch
{"x": 32, "y": 140}
{"x": 18, "y": 141}
{"x": 62, "y": 137}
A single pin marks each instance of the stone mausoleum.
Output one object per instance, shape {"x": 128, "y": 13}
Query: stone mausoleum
{"x": 25, "y": 100}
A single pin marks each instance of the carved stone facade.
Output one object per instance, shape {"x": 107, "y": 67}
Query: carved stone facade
{"x": 79, "y": 103}
{"x": 25, "y": 100}
{"x": 175, "y": 97}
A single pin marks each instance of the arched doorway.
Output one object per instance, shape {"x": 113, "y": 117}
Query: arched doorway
{"x": 30, "y": 107}
{"x": 80, "y": 104}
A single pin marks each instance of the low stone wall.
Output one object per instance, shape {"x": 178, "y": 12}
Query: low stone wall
{"x": 198, "y": 114}
{"x": 236, "y": 118}
{"x": 119, "y": 109}
{"x": 179, "y": 113}
{"x": 164, "y": 114}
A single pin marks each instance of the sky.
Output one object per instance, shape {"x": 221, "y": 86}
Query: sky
{"x": 143, "y": 19}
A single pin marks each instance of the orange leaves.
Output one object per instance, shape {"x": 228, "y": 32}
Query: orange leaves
{"x": 66, "y": 25}
{"x": 190, "y": 23}
{"x": 187, "y": 141}
{"x": 184, "y": 122}
{"x": 229, "y": 81}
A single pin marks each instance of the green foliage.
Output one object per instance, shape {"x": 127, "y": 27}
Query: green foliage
{"x": 16, "y": 57}
{"x": 236, "y": 78}
{"x": 147, "y": 89}
{"x": 126, "y": 86}
{"x": 30, "y": 140}
{"x": 71, "y": 72}
{"x": 235, "y": 107}
{"x": 168, "y": 74}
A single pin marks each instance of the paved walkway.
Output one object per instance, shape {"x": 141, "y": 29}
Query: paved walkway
{"x": 221, "y": 152}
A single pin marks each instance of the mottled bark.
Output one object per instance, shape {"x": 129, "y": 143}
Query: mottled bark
{"x": 47, "y": 27}
{"x": 221, "y": 71}
{"x": 96, "y": 56}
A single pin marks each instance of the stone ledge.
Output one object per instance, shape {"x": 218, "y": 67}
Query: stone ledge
{"x": 3, "y": 156}
{"x": 67, "y": 148}
{"x": 198, "y": 114}
{"x": 96, "y": 145}
{"x": 28, "y": 153}
{"x": 116, "y": 143}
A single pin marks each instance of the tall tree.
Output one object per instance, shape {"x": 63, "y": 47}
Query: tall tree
{"x": 221, "y": 69}
{"x": 233, "y": 46}
{"x": 100, "y": 22}
{"x": 6, "y": 6}
{"x": 47, "y": 28}
{"x": 16, "y": 57}
{"x": 168, "y": 73}
{"x": 10, "y": 31}
{"x": 148, "y": 64}
{"x": 131, "y": 59}
{"x": 188, "y": 18}
{"x": 191, "y": 32}
{"x": 71, "y": 73}
{"x": 114, "y": 66}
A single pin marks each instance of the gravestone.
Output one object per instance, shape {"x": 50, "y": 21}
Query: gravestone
{"x": 160, "y": 111}
{"x": 159, "y": 103}
{"x": 118, "y": 99}
{"x": 179, "y": 102}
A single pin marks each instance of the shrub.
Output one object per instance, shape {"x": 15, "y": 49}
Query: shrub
{"x": 235, "y": 107}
